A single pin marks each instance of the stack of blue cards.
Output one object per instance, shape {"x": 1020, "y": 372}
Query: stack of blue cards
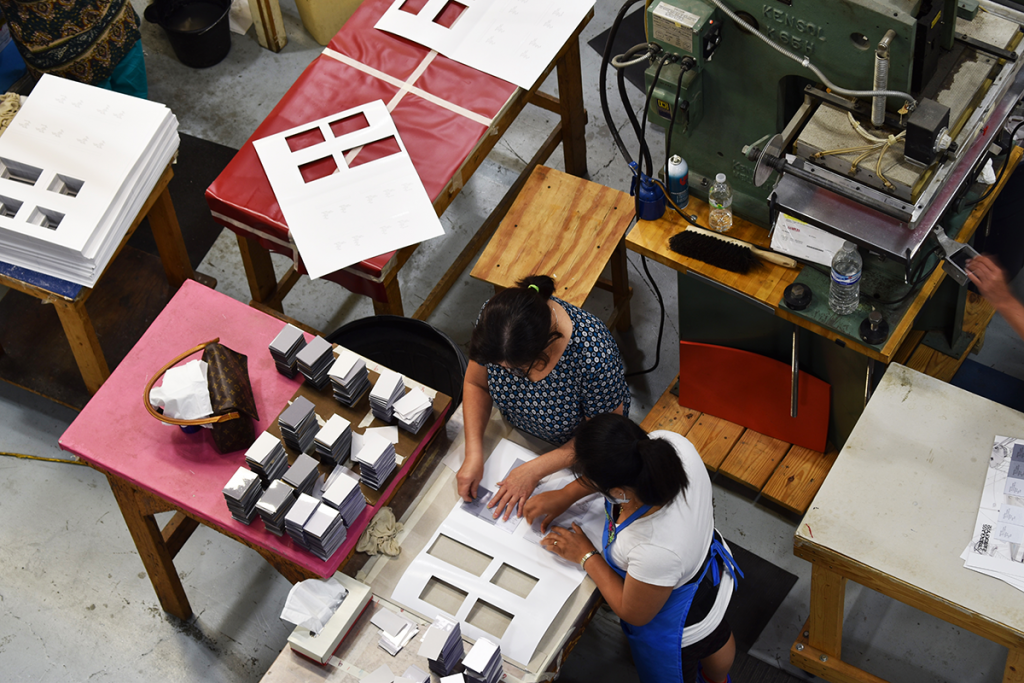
{"x": 483, "y": 663}
{"x": 442, "y": 646}
{"x": 285, "y": 347}
{"x": 412, "y": 410}
{"x": 302, "y": 475}
{"x": 314, "y": 360}
{"x": 376, "y": 460}
{"x": 267, "y": 458}
{"x": 334, "y": 441}
{"x": 298, "y": 425}
{"x": 297, "y": 517}
{"x": 242, "y": 493}
{"x": 389, "y": 388}
{"x": 349, "y": 378}
{"x": 345, "y": 496}
{"x": 277, "y": 500}
{"x": 324, "y": 531}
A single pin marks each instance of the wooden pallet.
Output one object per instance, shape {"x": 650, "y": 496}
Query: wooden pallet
{"x": 784, "y": 474}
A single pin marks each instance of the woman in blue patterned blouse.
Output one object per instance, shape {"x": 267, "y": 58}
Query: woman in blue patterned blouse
{"x": 548, "y": 366}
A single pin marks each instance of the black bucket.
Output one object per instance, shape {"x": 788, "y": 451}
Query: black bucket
{"x": 198, "y": 29}
{"x": 410, "y": 347}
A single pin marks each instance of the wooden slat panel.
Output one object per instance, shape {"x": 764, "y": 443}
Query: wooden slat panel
{"x": 713, "y": 438}
{"x": 669, "y": 415}
{"x": 754, "y": 459}
{"x": 977, "y": 314}
{"x": 798, "y": 478}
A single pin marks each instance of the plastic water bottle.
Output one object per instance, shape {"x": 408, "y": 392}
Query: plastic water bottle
{"x": 678, "y": 180}
{"x": 844, "y": 292}
{"x": 720, "y": 200}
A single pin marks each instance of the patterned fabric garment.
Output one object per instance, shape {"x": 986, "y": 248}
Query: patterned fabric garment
{"x": 589, "y": 379}
{"x": 78, "y": 39}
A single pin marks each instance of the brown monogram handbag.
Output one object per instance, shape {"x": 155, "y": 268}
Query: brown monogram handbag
{"x": 234, "y": 407}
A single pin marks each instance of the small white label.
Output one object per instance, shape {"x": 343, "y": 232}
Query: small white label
{"x": 674, "y": 26}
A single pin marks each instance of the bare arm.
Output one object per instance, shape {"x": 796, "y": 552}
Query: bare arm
{"x": 476, "y": 410}
{"x": 991, "y": 281}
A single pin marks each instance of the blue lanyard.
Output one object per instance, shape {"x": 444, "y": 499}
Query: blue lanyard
{"x": 611, "y": 531}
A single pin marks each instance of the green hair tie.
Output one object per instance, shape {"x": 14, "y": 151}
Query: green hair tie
{"x": 534, "y": 288}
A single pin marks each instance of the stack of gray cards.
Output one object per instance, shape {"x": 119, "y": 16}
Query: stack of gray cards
{"x": 442, "y": 646}
{"x": 267, "y": 458}
{"x": 302, "y": 475}
{"x": 345, "y": 496}
{"x": 314, "y": 360}
{"x": 349, "y": 378}
{"x": 334, "y": 441}
{"x": 285, "y": 347}
{"x": 297, "y": 517}
{"x": 274, "y": 505}
{"x": 324, "y": 531}
{"x": 389, "y": 388}
{"x": 376, "y": 460}
{"x": 412, "y": 410}
{"x": 298, "y": 424}
{"x": 242, "y": 492}
{"x": 483, "y": 663}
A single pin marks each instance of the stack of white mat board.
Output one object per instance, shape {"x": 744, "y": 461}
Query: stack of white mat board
{"x": 77, "y": 164}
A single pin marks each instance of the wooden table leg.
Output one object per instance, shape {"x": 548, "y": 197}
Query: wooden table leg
{"x": 270, "y": 31}
{"x": 828, "y": 593}
{"x": 163, "y": 221}
{"x": 393, "y": 306}
{"x": 621, "y": 293}
{"x": 574, "y": 118}
{"x": 1014, "y": 671}
{"x": 156, "y": 557}
{"x": 259, "y": 271}
{"x": 84, "y": 344}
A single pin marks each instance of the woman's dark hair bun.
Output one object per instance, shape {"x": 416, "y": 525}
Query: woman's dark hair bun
{"x": 544, "y": 284}
{"x": 515, "y": 325}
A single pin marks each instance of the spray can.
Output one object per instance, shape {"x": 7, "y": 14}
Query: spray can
{"x": 678, "y": 180}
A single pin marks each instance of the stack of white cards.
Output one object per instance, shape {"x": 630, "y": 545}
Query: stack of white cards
{"x": 76, "y": 166}
{"x": 275, "y": 503}
{"x": 314, "y": 360}
{"x": 297, "y": 517}
{"x": 412, "y": 410}
{"x": 395, "y": 631}
{"x": 349, "y": 378}
{"x": 344, "y": 495}
{"x": 414, "y": 674}
{"x": 376, "y": 461}
{"x": 389, "y": 388}
{"x": 483, "y": 663}
{"x": 324, "y": 531}
{"x": 242, "y": 492}
{"x": 298, "y": 424}
{"x": 285, "y": 347}
{"x": 267, "y": 458}
{"x": 302, "y": 475}
{"x": 334, "y": 441}
{"x": 442, "y": 646}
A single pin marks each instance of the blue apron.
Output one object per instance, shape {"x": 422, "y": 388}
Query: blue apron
{"x": 657, "y": 646}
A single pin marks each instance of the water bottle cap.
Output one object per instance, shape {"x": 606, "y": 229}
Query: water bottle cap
{"x": 720, "y": 178}
{"x": 849, "y": 246}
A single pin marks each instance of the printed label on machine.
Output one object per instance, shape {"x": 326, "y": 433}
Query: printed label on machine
{"x": 674, "y": 26}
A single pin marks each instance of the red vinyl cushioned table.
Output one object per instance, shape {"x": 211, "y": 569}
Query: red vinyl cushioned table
{"x": 449, "y": 116}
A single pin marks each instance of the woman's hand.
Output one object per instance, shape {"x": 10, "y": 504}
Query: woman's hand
{"x": 550, "y": 505}
{"x": 515, "y": 489}
{"x": 569, "y": 544}
{"x": 468, "y": 478}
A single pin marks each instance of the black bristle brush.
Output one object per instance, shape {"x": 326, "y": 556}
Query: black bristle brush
{"x": 723, "y": 252}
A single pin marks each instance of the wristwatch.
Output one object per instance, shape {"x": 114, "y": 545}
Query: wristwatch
{"x": 583, "y": 560}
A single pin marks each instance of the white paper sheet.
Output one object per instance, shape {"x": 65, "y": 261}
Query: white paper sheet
{"x": 358, "y": 212}
{"x": 513, "y": 40}
{"x": 996, "y": 545}
{"x": 556, "y": 578}
{"x": 794, "y": 237}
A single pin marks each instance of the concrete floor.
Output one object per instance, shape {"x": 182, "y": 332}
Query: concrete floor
{"x": 75, "y": 603}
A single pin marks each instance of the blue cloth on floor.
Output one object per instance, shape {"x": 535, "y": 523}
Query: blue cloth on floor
{"x": 991, "y": 384}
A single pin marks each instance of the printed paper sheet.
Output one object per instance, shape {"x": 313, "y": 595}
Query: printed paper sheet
{"x": 997, "y": 545}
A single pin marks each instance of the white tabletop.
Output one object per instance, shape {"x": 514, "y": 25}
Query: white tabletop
{"x": 903, "y": 496}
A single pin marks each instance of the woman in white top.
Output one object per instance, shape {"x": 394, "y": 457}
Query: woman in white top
{"x": 661, "y": 566}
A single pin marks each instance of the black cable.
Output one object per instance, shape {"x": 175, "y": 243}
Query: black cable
{"x": 917, "y": 278}
{"x": 999, "y": 177}
{"x": 645, "y": 159}
{"x": 661, "y": 325}
{"x": 603, "y": 77}
{"x": 665, "y": 57}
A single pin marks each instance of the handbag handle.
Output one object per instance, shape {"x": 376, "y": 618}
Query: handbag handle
{"x": 173, "y": 420}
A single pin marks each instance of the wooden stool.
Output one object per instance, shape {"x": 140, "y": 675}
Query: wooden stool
{"x": 570, "y": 229}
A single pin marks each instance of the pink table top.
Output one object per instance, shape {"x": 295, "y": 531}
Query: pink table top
{"x": 116, "y": 434}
